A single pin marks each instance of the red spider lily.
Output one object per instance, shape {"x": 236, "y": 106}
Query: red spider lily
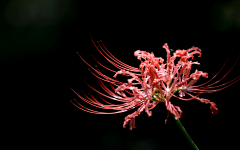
{"x": 159, "y": 81}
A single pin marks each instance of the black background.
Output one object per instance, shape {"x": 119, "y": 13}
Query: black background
{"x": 39, "y": 64}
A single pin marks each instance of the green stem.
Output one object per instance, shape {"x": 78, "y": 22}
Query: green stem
{"x": 185, "y": 133}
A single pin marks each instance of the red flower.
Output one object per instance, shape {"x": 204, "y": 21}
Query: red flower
{"x": 159, "y": 81}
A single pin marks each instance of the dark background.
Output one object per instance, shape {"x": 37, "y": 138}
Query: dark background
{"x": 38, "y": 44}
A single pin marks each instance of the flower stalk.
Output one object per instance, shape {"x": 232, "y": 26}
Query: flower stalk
{"x": 194, "y": 146}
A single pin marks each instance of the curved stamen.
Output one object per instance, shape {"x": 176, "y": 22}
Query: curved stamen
{"x": 214, "y": 76}
{"x": 119, "y": 63}
{"x": 211, "y": 91}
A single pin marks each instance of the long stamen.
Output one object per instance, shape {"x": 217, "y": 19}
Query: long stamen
{"x": 119, "y": 63}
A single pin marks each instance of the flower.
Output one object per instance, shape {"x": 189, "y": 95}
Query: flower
{"x": 158, "y": 82}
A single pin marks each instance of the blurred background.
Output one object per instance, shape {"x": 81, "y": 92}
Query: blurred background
{"x": 38, "y": 44}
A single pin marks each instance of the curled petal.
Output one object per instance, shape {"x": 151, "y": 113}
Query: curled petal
{"x": 131, "y": 118}
{"x": 172, "y": 109}
{"x": 213, "y": 107}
